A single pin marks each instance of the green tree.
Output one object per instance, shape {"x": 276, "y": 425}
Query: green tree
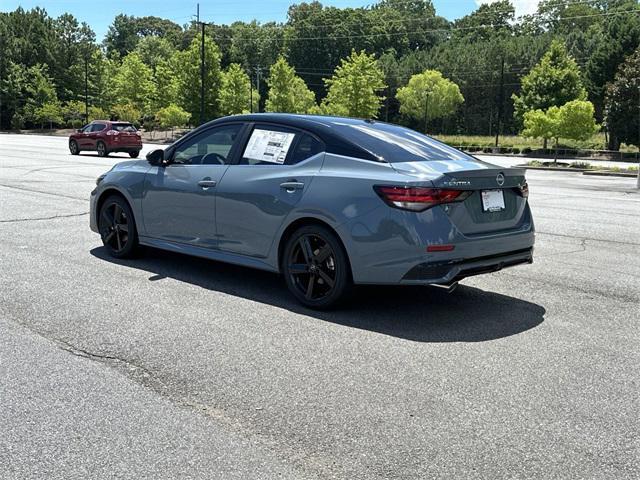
{"x": 553, "y": 82}
{"x": 355, "y": 86}
{"x": 97, "y": 113}
{"x": 49, "y": 112}
{"x": 166, "y": 85}
{"x": 187, "y": 71}
{"x": 126, "y": 112}
{"x": 573, "y": 121}
{"x": 172, "y": 116}
{"x": 236, "y": 93}
{"x": 618, "y": 38}
{"x": 429, "y": 95}
{"x": 154, "y": 50}
{"x": 134, "y": 83}
{"x": 287, "y": 92}
{"x": 73, "y": 113}
{"x": 540, "y": 124}
{"x": 126, "y": 31}
{"x": 622, "y": 103}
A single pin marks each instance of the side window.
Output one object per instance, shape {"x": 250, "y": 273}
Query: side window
{"x": 307, "y": 147}
{"x": 87, "y": 128}
{"x": 268, "y": 145}
{"x": 98, "y": 127}
{"x": 212, "y": 147}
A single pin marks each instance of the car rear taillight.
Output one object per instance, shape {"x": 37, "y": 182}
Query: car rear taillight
{"x": 523, "y": 190}
{"x": 418, "y": 199}
{"x": 113, "y": 132}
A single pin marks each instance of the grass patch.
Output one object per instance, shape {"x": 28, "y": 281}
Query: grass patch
{"x": 596, "y": 142}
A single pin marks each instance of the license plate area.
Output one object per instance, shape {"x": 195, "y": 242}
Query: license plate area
{"x": 492, "y": 200}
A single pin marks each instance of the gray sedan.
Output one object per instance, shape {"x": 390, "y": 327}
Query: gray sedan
{"x": 328, "y": 202}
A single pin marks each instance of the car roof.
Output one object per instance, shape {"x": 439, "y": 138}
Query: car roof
{"x": 325, "y": 127}
{"x": 356, "y": 137}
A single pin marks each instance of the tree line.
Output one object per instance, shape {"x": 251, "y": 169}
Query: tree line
{"x": 573, "y": 62}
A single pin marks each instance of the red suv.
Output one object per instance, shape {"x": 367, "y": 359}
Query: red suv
{"x": 105, "y": 137}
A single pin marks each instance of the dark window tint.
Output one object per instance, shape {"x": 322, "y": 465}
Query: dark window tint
{"x": 87, "y": 128}
{"x": 123, "y": 127}
{"x": 212, "y": 147}
{"x": 98, "y": 127}
{"x": 391, "y": 143}
{"x": 307, "y": 147}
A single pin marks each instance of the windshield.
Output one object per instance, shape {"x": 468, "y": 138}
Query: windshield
{"x": 123, "y": 127}
{"x": 392, "y": 143}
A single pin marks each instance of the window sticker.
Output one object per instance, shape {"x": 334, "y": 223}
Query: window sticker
{"x": 268, "y": 146}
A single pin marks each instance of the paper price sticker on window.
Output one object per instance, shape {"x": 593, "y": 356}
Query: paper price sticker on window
{"x": 268, "y": 146}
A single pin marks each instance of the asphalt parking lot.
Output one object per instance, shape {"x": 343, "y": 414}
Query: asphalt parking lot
{"x": 172, "y": 367}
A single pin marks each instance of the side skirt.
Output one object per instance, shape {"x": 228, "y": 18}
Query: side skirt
{"x": 207, "y": 253}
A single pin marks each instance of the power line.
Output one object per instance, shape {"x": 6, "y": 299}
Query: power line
{"x": 434, "y": 30}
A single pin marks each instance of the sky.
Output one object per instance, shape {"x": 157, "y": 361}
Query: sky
{"x": 99, "y": 15}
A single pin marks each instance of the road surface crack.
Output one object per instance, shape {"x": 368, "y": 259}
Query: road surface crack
{"x": 53, "y": 217}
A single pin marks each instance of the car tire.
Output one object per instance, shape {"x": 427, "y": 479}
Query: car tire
{"x": 134, "y": 154}
{"x": 102, "y": 149}
{"x": 73, "y": 147}
{"x": 316, "y": 267}
{"x": 117, "y": 227}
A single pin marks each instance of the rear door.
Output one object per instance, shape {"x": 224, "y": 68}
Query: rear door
{"x": 257, "y": 194}
{"x": 179, "y": 199}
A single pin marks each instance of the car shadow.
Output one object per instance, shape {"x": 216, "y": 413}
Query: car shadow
{"x": 111, "y": 155}
{"x": 421, "y": 314}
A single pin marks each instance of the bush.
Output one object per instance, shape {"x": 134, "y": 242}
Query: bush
{"x": 17, "y": 121}
{"x": 487, "y": 150}
{"x": 515, "y": 150}
{"x": 579, "y": 165}
{"x": 526, "y": 150}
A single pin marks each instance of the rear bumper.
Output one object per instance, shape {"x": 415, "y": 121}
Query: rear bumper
{"x": 124, "y": 148}
{"x": 389, "y": 246}
{"x": 450, "y": 271}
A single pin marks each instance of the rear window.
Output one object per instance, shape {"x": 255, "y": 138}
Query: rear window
{"x": 123, "y": 127}
{"x": 392, "y": 143}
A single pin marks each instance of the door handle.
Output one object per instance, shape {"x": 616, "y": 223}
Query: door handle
{"x": 291, "y": 186}
{"x": 207, "y": 183}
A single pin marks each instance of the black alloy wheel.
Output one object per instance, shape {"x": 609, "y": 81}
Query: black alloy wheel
{"x": 134, "y": 154}
{"x": 315, "y": 267}
{"x": 102, "y": 149}
{"x": 73, "y": 147}
{"x": 117, "y": 227}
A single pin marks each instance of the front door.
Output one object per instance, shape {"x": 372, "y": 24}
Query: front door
{"x": 257, "y": 194}
{"x": 94, "y": 134}
{"x": 84, "y": 140}
{"x": 179, "y": 199}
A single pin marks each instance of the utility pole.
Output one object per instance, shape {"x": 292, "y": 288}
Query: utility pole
{"x": 638, "y": 180}
{"x": 201, "y": 72}
{"x": 258, "y": 72}
{"x": 250, "y": 93}
{"x": 386, "y": 101}
{"x": 86, "y": 88}
{"x": 500, "y": 101}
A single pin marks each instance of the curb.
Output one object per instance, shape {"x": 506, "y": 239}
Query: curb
{"x": 605, "y": 173}
{"x": 553, "y": 169}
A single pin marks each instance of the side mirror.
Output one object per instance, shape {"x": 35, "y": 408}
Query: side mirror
{"x": 79, "y": 130}
{"x": 156, "y": 157}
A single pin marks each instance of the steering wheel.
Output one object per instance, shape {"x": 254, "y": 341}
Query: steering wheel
{"x": 213, "y": 159}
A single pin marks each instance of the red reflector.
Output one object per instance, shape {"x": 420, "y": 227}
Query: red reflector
{"x": 440, "y": 248}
